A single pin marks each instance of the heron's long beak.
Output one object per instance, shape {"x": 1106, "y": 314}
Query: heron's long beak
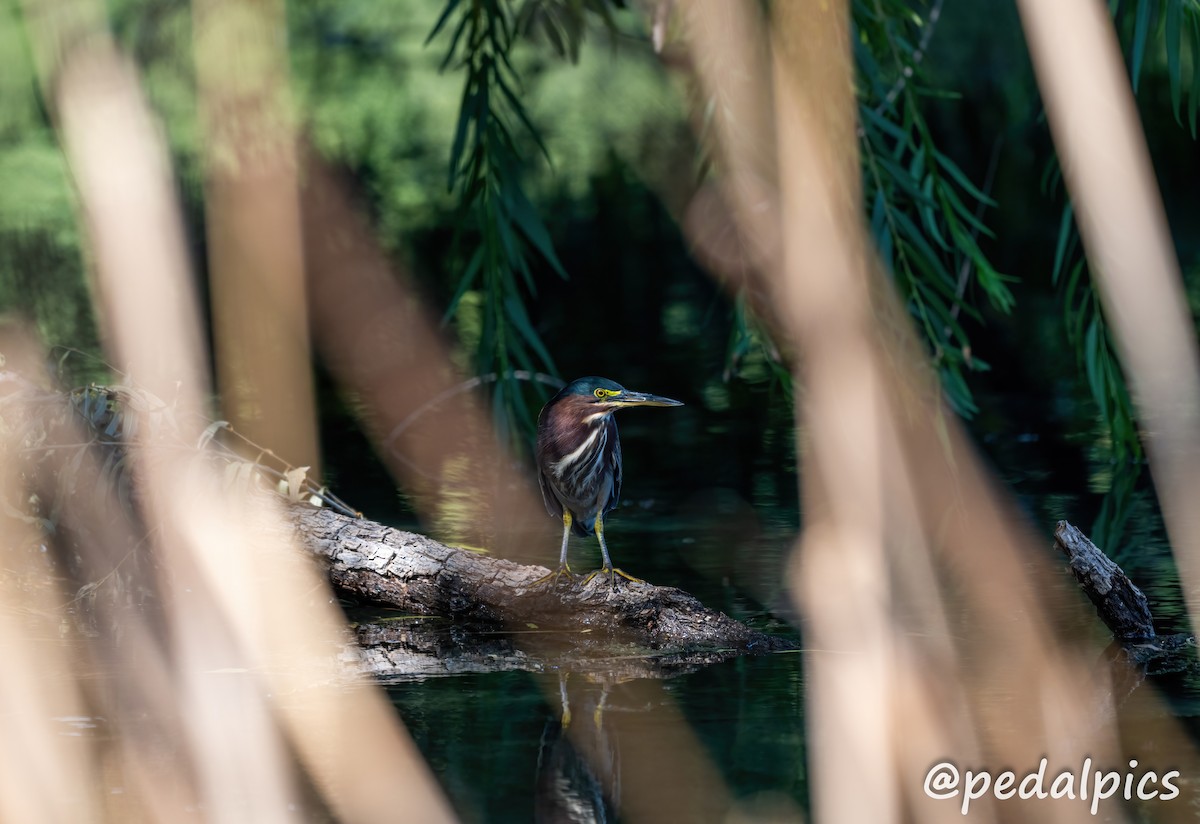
{"x": 628, "y": 398}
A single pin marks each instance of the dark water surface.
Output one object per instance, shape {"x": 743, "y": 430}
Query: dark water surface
{"x": 516, "y": 746}
{"x": 499, "y": 744}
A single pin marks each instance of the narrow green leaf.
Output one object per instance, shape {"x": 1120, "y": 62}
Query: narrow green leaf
{"x": 1194, "y": 92}
{"x": 460, "y": 133}
{"x": 878, "y": 214}
{"x": 958, "y": 393}
{"x": 929, "y": 218}
{"x": 506, "y": 63}
{"x": 515, "y": 311}
{"x": 465, "y": 281}
{"x": 1064, "y": 234}
{"x": 557, "y": 39}
{"x": 992, "y": 281}
{"x": 530, "y": 224}
{"x": 928, "y": 277}
{"x": 507, "y": 240}
{"x": 916, "y": 166}
{"x": 1051, "y": 178}
{"x": 886, "y": 250}
{"x": 1091, "y": 354}
{"x": 898, "y": 175}
{"x": 917, "y": 240}
{"x": 951, "y": 168}
{"x": 454, "y": 40}
{"x": 519, "y": 111}
{"x": 951, "y": 202}
{"x": 519, "y": 353}
{"x": 1087, "y": 309}
{"x": 1174, "y": 33}
{"x": 1141, "y": 32}
{"x": 499, "y": 12}
{"x": 1069, "y": 302}
{"x": 873, "y": 120}
{"x": 940, "y": 308}
{"x": 441, "y": 21}
{"x": 500, "y": 415}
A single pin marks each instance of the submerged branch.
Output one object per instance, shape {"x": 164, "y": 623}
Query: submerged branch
{"x": 1121, "y": 605}
{"x": 1136, "y": 648}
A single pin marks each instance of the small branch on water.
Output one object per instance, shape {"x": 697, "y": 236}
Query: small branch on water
{"x": 1121, "y": 605}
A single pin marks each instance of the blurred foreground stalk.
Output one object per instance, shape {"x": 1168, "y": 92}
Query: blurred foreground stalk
{"x": 932, "y": 632}
{"x": 221, "y": 695}
{"x": 1125, "y": 233}
{"x": 252, "y": 214}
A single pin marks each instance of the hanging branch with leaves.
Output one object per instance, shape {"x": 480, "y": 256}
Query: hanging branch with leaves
{"x": 925, "y": 213}
{"x": 498, "y": 226}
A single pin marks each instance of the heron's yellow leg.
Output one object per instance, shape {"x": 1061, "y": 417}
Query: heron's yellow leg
{"x": 608, "y": 568}
{"x": 563, "y": 568}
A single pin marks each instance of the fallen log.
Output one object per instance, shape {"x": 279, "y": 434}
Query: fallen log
{"x": 418, "y": 575}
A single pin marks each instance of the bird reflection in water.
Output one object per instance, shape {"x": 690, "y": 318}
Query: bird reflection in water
{"x": 578, "y": 767}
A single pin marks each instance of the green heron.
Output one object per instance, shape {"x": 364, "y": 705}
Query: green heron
{"x": 579, "y": 459}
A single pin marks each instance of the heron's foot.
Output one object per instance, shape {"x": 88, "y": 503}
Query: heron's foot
{"x": 553, "y": 578}
{"x": 612, "y": 573}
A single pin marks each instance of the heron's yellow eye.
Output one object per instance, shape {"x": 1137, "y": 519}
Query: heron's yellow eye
{"x": 600, "y": 393}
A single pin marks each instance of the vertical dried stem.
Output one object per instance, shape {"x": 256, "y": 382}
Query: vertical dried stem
{"x": 252, "y": 215}
{"x": 1124, "y": 229}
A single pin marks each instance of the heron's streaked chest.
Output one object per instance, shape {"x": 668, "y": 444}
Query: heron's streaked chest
{"x": 571, "y": 449}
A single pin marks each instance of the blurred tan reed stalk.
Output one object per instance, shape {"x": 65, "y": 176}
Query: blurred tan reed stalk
{"x": 926, "y": 603}
{"x": 251, "y": 683}
{"x": 1124, "y": 229}
{"x": 385, "y": 349}
{"x": 239, "y": 596}
{"x": 252, "y": 216}
{"x": 37, "y": 761}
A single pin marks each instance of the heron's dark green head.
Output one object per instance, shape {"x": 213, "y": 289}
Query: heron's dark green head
{"x": 608, "y": 395}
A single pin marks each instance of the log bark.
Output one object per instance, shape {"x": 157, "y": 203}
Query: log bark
{"x": 1121, "y": 605}
{"x": 414, "y": 648}
{"x": 1136, "y": 651}
{"x": 373, "y": 562}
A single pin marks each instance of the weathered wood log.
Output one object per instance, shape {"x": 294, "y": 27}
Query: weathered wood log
{"x": 376, "y": 563}
{"x": 1121, "y": 605}
{"x": 413, "y": 648}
